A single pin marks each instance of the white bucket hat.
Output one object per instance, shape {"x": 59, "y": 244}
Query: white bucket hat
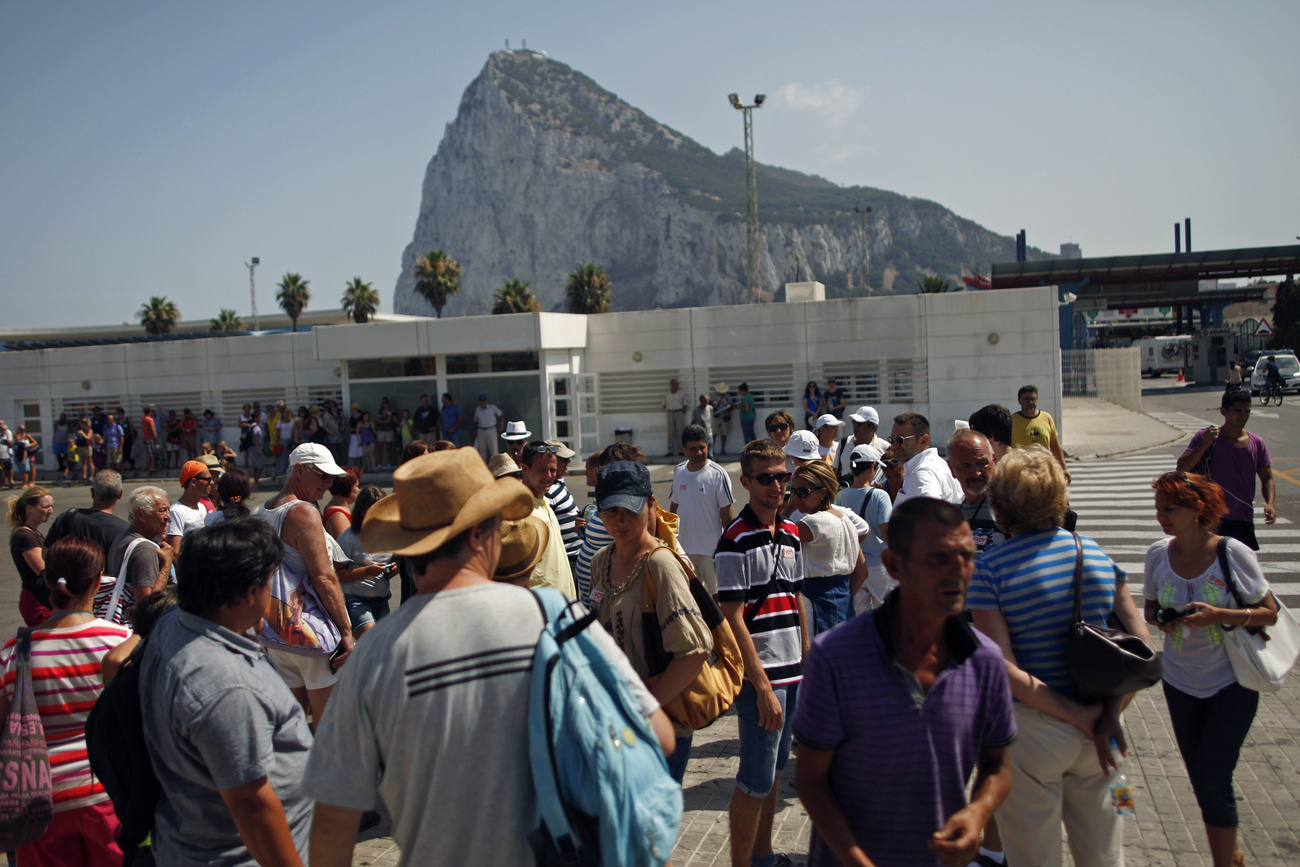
{"x": 803, "y": 446}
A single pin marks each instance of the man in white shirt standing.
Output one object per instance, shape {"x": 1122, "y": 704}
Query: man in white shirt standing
{"x": 188, "y": 513}
{"x": 925, "y": 474}
{"x": 702, "y": 496}
{"x": 487, "y": 422}
{"x": 675, "y": 406}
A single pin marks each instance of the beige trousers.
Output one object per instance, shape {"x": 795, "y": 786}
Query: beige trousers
{"x": 1055, "y": 778}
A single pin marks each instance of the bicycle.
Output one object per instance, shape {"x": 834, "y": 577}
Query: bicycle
{"x": 1270, "y": 390}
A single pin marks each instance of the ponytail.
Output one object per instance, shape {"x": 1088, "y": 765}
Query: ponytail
{"x": 72, "y": 568}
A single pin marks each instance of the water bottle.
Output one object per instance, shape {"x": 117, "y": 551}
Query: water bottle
{"x": 1121, "y": 790}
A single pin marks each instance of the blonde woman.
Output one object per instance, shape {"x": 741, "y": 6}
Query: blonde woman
{"x": 834, "y": 567}
{"x": 27, "y": 512}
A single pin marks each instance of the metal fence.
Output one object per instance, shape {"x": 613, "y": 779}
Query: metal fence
{"x": 1113, "y": 375}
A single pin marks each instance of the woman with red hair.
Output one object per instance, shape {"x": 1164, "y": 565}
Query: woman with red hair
{"x": 1190, "y": 600}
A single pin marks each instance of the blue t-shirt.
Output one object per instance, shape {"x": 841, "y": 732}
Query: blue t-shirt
{"x": 1030, "y": 579}
{"x": 450, "y": 415}
{"x": 902, "y": 757}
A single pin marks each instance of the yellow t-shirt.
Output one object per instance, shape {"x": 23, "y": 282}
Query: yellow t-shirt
{"x": 553, "y": 569}
{"x": 1040, "y": 429}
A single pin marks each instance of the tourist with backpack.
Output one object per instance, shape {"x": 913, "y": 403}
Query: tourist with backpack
{"x": 226, "y": 738}
{"x": 433, "y": 711}
{"x": 642, "y": 594}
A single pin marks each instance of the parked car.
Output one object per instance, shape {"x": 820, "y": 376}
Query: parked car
{"x": 1287, "y": 365}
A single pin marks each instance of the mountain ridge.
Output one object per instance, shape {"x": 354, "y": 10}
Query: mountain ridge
{"x": 543, "y": 169}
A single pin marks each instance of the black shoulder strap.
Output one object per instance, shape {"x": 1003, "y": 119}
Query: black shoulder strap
{"x": 1078, "y": 578}
{"x": 1228, "y": 577}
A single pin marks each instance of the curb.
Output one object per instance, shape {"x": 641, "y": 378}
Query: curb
{"x": 1120, "y": 454}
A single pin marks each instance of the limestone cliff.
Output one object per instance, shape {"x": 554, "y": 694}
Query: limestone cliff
{"x": 543, "y": 170}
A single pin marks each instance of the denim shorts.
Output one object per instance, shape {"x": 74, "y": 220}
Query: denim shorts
{"x": 763, "y": 753}
{"x": 363, "y": 610}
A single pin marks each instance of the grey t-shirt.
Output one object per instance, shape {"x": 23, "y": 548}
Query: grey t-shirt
{"x": 141, "y": 569}
{"x": 217, "y": 716}
{"x": 431, "y": 713}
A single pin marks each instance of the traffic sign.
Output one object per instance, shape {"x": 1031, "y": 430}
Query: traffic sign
{"x": 1263, "y": 329}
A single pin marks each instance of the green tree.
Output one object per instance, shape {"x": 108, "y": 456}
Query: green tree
{"x": 360, "y": 300}
{"x": 588, "y": 289}
{"x": 437, "y": 278}
{"x": 227, "y": 320}
{"x": 934, "y": 285}
{"x": 1286, "y": 315}
{"x": 514, "y": 296}
{"x": 293, "y": 296}
{"x": 159, "y": 316}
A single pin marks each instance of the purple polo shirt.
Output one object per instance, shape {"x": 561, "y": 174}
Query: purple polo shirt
{"x": 1235, "y": 469}
{"x": 900, "y": 768}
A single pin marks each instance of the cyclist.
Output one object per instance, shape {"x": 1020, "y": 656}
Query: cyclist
{"x": 1272, "y": 377}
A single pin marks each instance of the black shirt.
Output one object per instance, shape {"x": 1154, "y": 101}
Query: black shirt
{"x": 98, "y": 528}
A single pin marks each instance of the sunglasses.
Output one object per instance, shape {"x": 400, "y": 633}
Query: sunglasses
{"x": 804, "y": 493}
{"x": 769, "y": 478}
{"x": 540, "y": 449}
{"x": 773, "y": 428}
{"x": 898, "y": 441}
{"x": 1183, "y": 477}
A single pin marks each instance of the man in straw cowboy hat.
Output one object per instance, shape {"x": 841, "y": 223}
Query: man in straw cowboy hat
{"x": 432, "y": 711}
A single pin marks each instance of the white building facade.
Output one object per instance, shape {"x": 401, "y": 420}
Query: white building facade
{"x": 581, "y": 378}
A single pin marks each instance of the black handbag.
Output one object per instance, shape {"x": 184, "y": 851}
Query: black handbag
{"x": 1105, "y": 662}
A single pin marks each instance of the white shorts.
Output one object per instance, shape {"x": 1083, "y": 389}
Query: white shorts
{"x": 703, "y": 564}
{"x": 313, "y": 672}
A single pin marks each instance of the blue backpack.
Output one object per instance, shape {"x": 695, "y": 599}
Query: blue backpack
{"x": 604, "y": 794}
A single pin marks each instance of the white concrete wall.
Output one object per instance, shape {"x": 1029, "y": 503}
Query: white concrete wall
{"x": 949, "y": 332}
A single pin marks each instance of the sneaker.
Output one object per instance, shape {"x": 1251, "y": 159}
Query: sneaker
{"x": 369, "y": 819}
{"x": 985, "y": 861}
{"x": 783, "y": 860}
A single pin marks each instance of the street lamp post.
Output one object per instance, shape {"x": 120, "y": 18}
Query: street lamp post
{"x": 866, "y": 248}
{"x": 252, "y": 290}
{"x": 754, "y": 278}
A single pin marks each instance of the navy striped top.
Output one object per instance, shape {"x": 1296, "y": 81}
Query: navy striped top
{"x": 1030, "y": 579}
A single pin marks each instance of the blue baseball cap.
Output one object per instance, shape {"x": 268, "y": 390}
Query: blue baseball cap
{"x": 623, "y": 484}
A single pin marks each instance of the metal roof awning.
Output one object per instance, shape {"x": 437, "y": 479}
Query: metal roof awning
{"x": 1156, "y": 280}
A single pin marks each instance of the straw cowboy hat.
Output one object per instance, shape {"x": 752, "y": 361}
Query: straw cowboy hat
{"x": 438, "y": 496}
{"x": 522, "y": 545}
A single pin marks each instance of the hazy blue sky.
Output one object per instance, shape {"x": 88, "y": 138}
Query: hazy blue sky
{"x": 152, "y": 148}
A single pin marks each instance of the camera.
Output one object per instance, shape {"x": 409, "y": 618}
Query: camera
{"x": 1170, "y": 615}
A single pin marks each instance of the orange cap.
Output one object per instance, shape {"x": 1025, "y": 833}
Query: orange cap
{"x": 190, "y": 470}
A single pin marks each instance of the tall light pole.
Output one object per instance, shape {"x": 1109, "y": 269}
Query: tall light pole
{"x": 866, "y": 249}
{"x": 252, "y": 290}
{"x": 754, "y": 279}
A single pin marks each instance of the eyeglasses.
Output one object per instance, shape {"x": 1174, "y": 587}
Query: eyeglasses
{"x": 773, "y": 428}
{"x": 898, "y": 441}
{"x": 804, "y": 493}
{"x": 769, "y": 478}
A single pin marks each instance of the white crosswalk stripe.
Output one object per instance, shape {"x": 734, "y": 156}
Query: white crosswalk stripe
{"x": 1181, "y": 421}
{"x": 1116, "y": 507}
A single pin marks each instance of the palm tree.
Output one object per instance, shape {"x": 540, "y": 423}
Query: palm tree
{"x": 159, "y": 316}
{"x": 935, "y": 285}
{"x": 437, "y": 278}
{"x": 514, "y": 296}
{"x": 227, "y": 320}
{"x": 588, "y": 289}
{"x": 360, "y": 300}
{"x": 293, "y": 296}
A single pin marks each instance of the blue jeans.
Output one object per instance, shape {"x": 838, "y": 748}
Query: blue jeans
{"x": 830, "y": 602}
{"x": 1210, "y": 732}
{"x": 677, "y": 761}
{"x": 763, "y": 753}
{"x": 747, "y": 429}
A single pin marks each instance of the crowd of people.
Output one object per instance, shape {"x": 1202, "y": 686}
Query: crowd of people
{"x": 902, "y": 615}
